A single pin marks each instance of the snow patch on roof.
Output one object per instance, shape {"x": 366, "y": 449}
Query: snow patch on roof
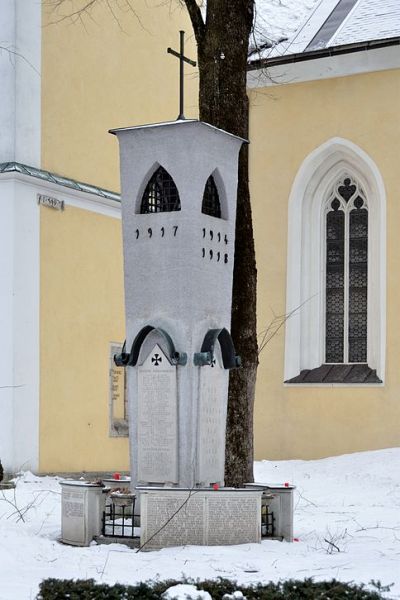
{"x": 284, "y": 27}
{"x": 277, "y": 21}
{"x": 369, "y": 20}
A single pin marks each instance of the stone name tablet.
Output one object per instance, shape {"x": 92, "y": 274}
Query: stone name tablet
{"x": 73, "y": 504}
{"x": 199, "y": 517}
{"x": 211, "y": 423}
{"x": 157, "y": 420}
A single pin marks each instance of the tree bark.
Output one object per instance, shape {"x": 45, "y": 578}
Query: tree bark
{"x": 222, "y": 43}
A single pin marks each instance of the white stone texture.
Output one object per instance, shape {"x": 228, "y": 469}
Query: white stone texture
{"x": 157, "y": 449}
{"x": 82, "y": 506}
{"x": 199, "y": 517}
{"x": 212, "y": 422}
{"x": 168, "y": 282}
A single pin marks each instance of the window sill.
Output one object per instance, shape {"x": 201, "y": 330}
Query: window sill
{"x": 337, "y": 375}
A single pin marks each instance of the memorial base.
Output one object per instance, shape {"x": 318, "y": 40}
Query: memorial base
{"x": 82, "y": 506}
{"x": 279, "y": 499}
{"x": 179, "y": 517}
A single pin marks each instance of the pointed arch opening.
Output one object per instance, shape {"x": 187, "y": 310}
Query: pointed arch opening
{"x": 211, "y": 204}
{"x": 336, "y": 272}
{"x": 206, "y": 355}
{"x": 160, "y": 194}
{"x": 130, "y": 359}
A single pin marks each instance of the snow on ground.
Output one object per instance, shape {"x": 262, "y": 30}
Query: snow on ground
{"x": 347, "y": 521}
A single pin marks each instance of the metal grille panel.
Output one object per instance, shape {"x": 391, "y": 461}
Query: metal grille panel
{"x": 335, "y": 221}
{"x": 358, "y": 280}
{"x": 211, "y": 204}
{"x": 161, "y": 194}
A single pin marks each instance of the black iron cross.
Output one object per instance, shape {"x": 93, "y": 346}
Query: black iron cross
{"x": 182, "y": 59}
{"x": 156, "y": 360}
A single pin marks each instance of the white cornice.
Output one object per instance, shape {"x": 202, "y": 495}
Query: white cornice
{"x": 70, "y": 197}
{"x": 326, "y": 67}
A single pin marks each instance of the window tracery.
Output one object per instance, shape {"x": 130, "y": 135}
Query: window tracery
{"x": 346, "y": 287}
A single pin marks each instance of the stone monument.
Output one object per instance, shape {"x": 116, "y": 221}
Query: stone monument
{"x": 179, "y": 188}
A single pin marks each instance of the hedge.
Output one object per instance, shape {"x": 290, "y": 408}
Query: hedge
{"x": 62, "y": 589}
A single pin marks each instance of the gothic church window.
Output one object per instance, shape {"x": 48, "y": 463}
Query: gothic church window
{"x": 211, "y": 203}
{"x": 336, "y": 269}
{"x": 161, "y": 194}
{"x": 346, "y": 289}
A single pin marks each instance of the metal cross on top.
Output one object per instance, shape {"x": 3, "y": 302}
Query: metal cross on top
{"x": 182, "y": 59}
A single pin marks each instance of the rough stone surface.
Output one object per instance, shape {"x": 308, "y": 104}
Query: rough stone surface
{"x": 199, "y": 517}
{"x": 157, "y": 446}
{"x": 178, "y": 276}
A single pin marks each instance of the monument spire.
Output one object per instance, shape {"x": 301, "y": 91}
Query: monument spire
{"x": 182, "y": 59}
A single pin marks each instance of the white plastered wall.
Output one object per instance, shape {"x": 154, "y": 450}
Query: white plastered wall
{"x": 304, "y": 342}
{"x": 19, "y": 322}
{"x": 20, "y": 82}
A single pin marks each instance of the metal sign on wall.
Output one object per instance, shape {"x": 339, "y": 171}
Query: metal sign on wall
{"x": 50, "y": 202}
{"x": 118, "y": 399}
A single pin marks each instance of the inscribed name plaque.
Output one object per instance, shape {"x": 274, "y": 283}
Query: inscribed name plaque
{"x": 157, "y": 451}
{"x": 199, "y": 517}
{"x": 212, "y": 422}
{"x": 82, "y": 505}
{"x": 118, "y": 406}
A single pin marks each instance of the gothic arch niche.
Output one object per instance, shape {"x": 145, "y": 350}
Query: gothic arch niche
{"x": 146, "y": 338}
{"x": 214, "y": 197}
{"x": 320, "y": 172}
{"x": 159, "y": 192}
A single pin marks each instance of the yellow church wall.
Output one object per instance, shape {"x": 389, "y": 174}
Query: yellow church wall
{"x": 286, "y": 124}
{"x": 104, "y": 75}
{"x": 102, "y": 72}
{"x": 105, "y": 72}
{"x": 81, "y": 312}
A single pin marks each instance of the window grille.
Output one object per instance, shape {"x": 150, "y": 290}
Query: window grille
{"x": 211, "y": 204}
{"x": 161, "y": 194}
{"x": 346, "y": 283}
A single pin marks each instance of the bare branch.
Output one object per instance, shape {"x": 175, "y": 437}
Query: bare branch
{"x": 12, "y": 52}
{"x": 332, "y": 545}
{"x": 85, "y": 10}
{"x": 196, "y": 18}
{"x": 276, "y": 324}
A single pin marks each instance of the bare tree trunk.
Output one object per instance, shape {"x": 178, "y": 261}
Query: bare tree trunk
{"x": 222, "y": 55}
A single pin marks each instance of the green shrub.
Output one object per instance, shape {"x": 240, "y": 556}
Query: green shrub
{"x": 62, "y": 589}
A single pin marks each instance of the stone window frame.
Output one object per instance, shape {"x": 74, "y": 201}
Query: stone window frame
{"x": 305, "y": 327}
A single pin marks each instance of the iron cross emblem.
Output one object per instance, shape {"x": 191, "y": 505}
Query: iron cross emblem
{"x": 156, "y": 360}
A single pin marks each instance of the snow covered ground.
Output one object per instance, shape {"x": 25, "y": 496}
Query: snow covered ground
{"x": 347, "y": 521}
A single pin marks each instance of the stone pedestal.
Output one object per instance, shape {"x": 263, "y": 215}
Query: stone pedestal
{"x": 82, "y": 506}
{"x": 280, "y": 503}
{"x": 173, "y": 517}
